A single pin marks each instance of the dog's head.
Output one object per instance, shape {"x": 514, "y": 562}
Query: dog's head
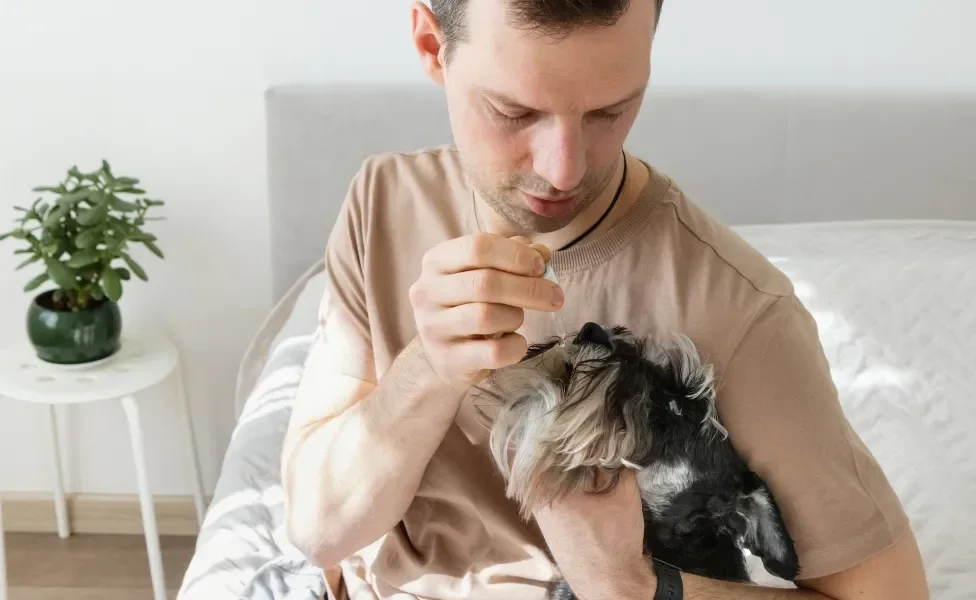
{"x": 575, "y": 411}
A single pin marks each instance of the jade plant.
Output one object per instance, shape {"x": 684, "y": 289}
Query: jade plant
{"x": 82, "y": 237}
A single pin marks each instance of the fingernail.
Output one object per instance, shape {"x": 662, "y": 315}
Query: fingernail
{"x": 557, "y": 296}
{"x": 540, "y": 265}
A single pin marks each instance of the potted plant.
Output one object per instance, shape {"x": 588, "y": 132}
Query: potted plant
{"x": 82, "y": 240}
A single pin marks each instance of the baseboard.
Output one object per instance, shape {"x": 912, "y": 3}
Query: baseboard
{"x": 97, "y": 513}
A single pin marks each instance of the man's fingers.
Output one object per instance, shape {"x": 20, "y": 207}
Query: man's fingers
{"x": 496, "y": 287}
{"x": 543, "y": 250}
{"x": 493, "y": 353}
{"x": 485, "y": 251}
{"x": 473, "y": 319}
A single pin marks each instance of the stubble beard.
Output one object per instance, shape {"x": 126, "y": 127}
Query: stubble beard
{"x": 506, "y": 198}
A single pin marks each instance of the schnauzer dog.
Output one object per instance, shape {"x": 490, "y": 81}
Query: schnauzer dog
{"x": 577, "y": 411}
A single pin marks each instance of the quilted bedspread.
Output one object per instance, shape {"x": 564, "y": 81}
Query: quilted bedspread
{"x": 896, "y": 308}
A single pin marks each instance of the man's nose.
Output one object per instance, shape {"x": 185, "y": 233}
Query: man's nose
{"x": 560, "y": 155}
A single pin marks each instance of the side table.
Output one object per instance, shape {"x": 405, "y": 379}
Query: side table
{"x": 142, "y": 362}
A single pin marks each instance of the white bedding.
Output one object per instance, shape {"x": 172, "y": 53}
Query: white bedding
{"x": 895, "y": 306}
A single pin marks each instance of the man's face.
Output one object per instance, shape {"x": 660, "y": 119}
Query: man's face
{"x": 540, "y": 121}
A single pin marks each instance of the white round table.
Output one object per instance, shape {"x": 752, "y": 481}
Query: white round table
{"x": 143, "y": 361}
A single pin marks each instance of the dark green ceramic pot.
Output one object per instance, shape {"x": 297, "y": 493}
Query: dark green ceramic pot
{"x": 71, "y": 338}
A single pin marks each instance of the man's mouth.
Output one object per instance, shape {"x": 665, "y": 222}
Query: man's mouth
{"x": 549, "y": 206}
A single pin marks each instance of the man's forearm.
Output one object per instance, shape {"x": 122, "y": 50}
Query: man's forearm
{"x": 354, "y": 474}
{"x": 699, "y": 588}
{"x": 643, "y": 585}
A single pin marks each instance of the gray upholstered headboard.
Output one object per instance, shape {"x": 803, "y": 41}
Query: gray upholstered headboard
{"x": 748, "y": 157}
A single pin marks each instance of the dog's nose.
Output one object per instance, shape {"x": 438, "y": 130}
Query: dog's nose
{"x": 593, "y": 334}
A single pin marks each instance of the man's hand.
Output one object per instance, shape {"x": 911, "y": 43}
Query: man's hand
{"x": 597, "y": 540}
{"x": 470, "y": 299}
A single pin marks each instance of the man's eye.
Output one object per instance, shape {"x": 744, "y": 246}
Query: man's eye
{"x": 519, "y": 119}
{"x": 609, "y": 117}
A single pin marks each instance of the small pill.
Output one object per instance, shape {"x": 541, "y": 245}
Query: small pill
{"x": 550, "y": 274}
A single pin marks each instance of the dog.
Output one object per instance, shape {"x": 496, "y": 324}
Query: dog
{"x": 578, "y": 410}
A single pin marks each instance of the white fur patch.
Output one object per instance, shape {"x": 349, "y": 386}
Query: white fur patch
{"x": 763, "y": 527}
{"x": 659, "y": 484}
{"x": 760, "y": 576}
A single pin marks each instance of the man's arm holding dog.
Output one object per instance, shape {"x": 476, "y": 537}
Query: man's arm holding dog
{"x": 347, "y": 475}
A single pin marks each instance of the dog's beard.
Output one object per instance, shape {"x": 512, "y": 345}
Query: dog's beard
{"x": 571, "y": 417}
{"x": 554, "y": 438}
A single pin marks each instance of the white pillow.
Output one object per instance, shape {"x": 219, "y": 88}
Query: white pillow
{"x": 295, "y": 315}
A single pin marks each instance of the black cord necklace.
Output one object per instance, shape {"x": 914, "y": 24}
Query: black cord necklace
{"x": 613, "y": 202}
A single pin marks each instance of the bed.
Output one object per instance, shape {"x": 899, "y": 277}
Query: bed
{"x": 867, "y": 201}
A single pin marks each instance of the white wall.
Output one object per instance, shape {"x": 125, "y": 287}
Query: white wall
{"x": 171, "y": 92}
{"x": 811, "y": 43}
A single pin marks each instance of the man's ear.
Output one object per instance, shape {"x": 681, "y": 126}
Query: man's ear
{"x": 428, "y": 40}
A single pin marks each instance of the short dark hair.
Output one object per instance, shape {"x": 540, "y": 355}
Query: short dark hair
{"x": 552, "y": 17}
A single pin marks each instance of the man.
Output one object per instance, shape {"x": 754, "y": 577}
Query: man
{"x": 386, "y": 468}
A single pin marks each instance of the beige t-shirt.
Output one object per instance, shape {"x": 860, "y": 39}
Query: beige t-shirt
{"x": 665, "y": 266}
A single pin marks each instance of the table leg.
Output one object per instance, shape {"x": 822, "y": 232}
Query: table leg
{"x": 3, "y": 559}
{"x": 60, "y": 505}
{"x": 145, "y": 499}
{"x": 184, "y": 408}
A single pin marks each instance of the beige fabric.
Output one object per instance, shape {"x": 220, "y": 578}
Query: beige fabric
{"x": 666, "y": 266}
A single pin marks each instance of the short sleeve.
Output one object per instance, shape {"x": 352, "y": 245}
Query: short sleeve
{"x": 782, "y": 410}
{"x": 342, "y": 344}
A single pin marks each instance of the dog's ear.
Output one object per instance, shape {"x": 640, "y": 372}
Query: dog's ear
{"x": 766, "y": 535}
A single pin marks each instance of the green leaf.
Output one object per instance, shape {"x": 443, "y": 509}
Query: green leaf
{"x": 111, "y": 284}
{"x": 74, "y": 172}
{"x": 54, "y": 217}
{"x": 18, "y": 234}
{"x": 4, "y": 236}
{"x": 29, "y": 261}
{"x": 123, "y": 273}
{"x": 76, "y": 195}
{"x": 57, "y": 190}
{"x": 154, "y": 248}
{"x": 60, "y": 274}
{"x": 89, "y": 238}
{"x": 127, "y": 181}
{"x": 83, "y": 259}
{"x": 94, "y": 215}
{"x": 58, "y": 295}
{"x": 123, "y": 206}
{"x": 97, "y": 293}
{"x": 35, "y": 283}
{"x": 140, "y": 273}
{"x": 130, "y": 190}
